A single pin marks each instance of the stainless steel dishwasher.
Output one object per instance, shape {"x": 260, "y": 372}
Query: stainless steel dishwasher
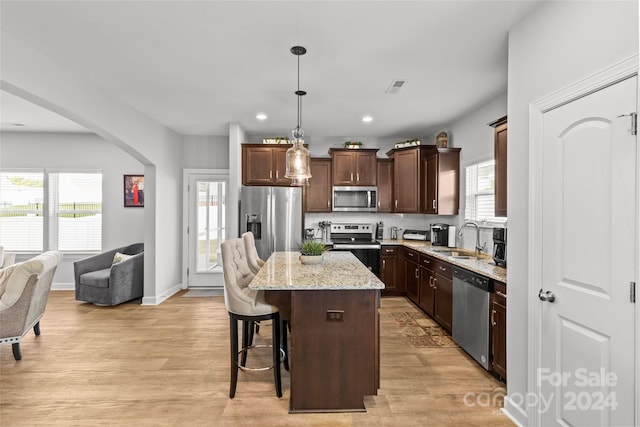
{"x": 470, "y": 327}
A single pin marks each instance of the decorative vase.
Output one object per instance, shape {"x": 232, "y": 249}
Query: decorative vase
{"x": 310, "y": 259}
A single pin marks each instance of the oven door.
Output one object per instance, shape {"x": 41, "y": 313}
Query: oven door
{"x": 369, "y": 255}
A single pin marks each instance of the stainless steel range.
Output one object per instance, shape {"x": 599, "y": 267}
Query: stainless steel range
{"x": 358, "y": 239}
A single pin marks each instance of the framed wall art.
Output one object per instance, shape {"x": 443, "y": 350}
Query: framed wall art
{"x": 134, "y": 191}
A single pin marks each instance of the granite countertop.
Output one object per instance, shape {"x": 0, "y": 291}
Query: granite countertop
{"x": 483, "y": 264}
{"x": 338, "y": 270}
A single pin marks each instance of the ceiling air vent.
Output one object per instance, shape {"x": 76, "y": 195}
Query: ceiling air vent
{"x": 395, "y": 86}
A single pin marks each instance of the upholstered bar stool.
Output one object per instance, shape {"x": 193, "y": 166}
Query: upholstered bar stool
{"x": 255, "y": 263}
{"x": 249, "y": 306}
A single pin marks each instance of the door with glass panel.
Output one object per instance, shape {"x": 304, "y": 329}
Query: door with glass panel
{"x": 206, "y": 229}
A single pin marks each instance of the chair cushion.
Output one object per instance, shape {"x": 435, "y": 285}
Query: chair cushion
{"x": 98, "y": 278}
{"x": 5, "y": 273}
{"x": 119, "y": 257}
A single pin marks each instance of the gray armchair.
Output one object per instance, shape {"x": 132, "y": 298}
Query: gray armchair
{"x": 24, "y": 290}
{"x": 102, "y": 282}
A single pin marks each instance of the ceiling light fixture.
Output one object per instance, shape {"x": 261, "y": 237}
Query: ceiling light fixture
{"x": 297, "y": 161}
{"x": 367, "y": 119}
{"x": 261, "y": 116}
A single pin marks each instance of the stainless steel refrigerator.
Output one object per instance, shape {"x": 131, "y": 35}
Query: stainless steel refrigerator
{"x": 274, "y": 216}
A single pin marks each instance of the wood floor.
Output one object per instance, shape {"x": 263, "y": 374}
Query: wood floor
{"x": 168, "y": 365}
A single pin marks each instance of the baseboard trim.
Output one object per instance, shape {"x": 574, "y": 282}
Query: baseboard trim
{"x": 514, "y": 412}
{"x": 63, "y": 286}
{"x": 157, "y": 300}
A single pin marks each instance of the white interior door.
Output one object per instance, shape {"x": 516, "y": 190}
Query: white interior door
{"x": 206, "y": 229}
{"x": 589, "y": 197}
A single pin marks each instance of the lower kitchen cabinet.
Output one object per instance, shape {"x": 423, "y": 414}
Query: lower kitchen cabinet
{"x": 499, "y": 330}
{"x": 412, "y": 274}
{"x": 389, "y": 269}
{"x": 443, "y": 307}
{"x": 427, "y": 285}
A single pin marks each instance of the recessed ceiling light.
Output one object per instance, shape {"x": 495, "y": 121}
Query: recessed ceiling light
{"x": 367, "y": 119}
{"x": 261, "y": 116}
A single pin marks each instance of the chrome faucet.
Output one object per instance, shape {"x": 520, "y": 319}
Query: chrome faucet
{"x": 478, "y": 247}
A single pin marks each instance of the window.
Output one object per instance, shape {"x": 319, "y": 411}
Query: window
{"x": 480, "y": 190}
{"x": 42, "y": 211}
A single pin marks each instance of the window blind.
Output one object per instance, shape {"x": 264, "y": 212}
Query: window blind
{"x": 480, "y": 192}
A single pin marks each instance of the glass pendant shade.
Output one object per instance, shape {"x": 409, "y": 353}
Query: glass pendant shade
{"x": 297, "y": 163}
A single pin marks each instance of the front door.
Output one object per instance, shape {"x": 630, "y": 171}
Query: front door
{"x": 589, "y": 198}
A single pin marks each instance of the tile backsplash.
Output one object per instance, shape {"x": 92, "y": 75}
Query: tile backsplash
{"x": 404, "y": 222}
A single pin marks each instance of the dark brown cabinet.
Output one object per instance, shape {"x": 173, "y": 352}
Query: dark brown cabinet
{"x": 389, "y": 262}
{"x": 264, "y": 164}
{"x": 426, "y": 180}
{"x": 406, "y": 180}
{"x": 354, "y": 166}
{"x": 442, "y": 181}
{"x": 500, "y": 171}
{"x": 318, "y": 192}
{"x": 412, "y": 274}
{"x": 385, "y": 185}
{"x": 499, "y": 330}
{"x": 427, "y": 285}
{"x": 443, "y": 306}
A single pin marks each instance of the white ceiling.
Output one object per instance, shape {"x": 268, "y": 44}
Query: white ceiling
{"x": 195, "y": 66}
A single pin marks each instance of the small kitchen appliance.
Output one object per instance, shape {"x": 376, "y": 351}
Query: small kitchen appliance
{"x": 379, "y": 230}
{"x": 415, "y": 235}
{"x": 439, "y": 234}
{"x": 500, "y": 246}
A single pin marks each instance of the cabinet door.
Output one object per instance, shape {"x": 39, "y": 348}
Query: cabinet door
{"x": 431, "y": 184}
{"x": 447, "y": 191}
{"x": 318, "y": 193}
{"x": 257, "y": 167}
{"x": 280, "y": 166}
{"x": 385, "y": 185}
{"x": 427, "y": 291}
{"x": 443, "y": 309}
{"x": 388, "y": 275}
{"x": 406, "y": 183}
{"x": 343, "y": 168}
{"x": 500, "y": 178}
{"x": 499, "y": 330}
{"x": 365, "y": 168}
{"x": 412, "y": 275}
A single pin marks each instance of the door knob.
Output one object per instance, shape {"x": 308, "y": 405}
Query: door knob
{"x": 547, "y": 296}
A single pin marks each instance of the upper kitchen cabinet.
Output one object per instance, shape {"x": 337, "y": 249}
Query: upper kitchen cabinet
{"x": 264, "y": 164}
{"x": 318, "y": 192}
{"x": 407, "y": 176}
{"x": 426, "y": 179}
{"x": 500, "y": 173}
{"x": 385, "y": 185}
{"x": 354, "y": 166}
{"x": 442, "y": 181}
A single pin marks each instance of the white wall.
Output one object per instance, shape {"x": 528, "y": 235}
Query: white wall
{"x": 72, "y": 151}
{"x": 557, "y": 44}
{"x": 205, "y": 152}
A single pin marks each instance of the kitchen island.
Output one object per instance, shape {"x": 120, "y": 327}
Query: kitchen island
{"x": 335, "y": 329}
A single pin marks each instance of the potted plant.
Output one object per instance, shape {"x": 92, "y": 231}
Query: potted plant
{"x": 352, "y": 144}
{"x": 311, "y": 252}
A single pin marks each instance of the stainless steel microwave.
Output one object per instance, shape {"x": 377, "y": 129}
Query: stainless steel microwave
{"x": 355, "y": 199}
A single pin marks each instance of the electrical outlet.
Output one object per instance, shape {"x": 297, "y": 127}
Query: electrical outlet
{"x": 335, "y": 315}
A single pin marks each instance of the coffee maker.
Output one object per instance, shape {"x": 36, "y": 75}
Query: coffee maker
{"x": 500, "y": 246}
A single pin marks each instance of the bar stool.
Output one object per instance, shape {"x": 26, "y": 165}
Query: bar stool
{"x": 255, "y": 263}
{"x": 249, "y": 306}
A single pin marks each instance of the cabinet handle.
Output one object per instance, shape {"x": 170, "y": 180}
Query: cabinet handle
{"x": 493, "y": 317}
{"x": 433, "y": 205}
{"x": 277, "y": 172}
{"x": 396, "y": 203}
{"x": 270, "y": 174}
{"x": 431, "y": 281}
{"x": 435, "y": 283}
{"x": 442, "y": 268}
{"x": 378, "y": 204}
{"x": 351, "y": 176}
{"x": 328, "y": 204}
{"x": 384, "y": 263}
{"x": 417, "y": 274}
{"x": 503, "y": 295}
{"x": 358, "y": 176}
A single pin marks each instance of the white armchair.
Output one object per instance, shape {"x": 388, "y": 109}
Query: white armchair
{"x": 24, "y": 290}
{"x": 6, "y": 258}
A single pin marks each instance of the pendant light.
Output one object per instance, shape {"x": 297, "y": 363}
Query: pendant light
{"x": 297, "y": 161}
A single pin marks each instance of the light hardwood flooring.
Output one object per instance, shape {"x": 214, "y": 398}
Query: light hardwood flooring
{"x": 168, "y": 365}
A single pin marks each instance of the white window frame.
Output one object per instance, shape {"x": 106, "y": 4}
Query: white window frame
{"x": 50, "y": 211}
{"x": 488, "y": 221}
